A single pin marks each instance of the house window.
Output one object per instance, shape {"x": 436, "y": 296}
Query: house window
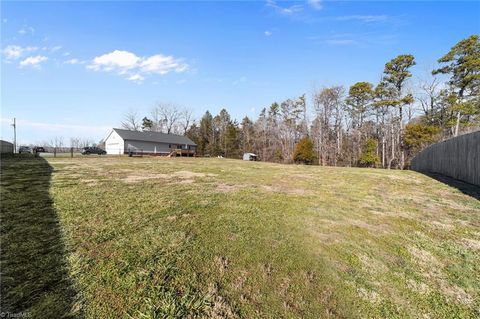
{"x": 169, "y": 145}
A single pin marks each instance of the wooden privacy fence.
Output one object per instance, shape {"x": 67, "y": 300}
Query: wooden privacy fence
{"x": 458, "y": 157}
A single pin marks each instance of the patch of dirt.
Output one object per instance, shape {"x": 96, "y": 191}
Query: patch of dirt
{"x": 369, "y": 295}
{"x": 90, "y": 182}
{"x": 220, "y": 308}
{"x": 139, "y": 178}
{"x": 424, "y": 258}
{"x": 439, "y": 225}
{"x": 286, "y": 189}
{"x": 186, "y": 181}
{"x": 190, "y": 175}
{"x": 267, "y": 269}
{"x": 456, "y": 292}
{"x": 471, "y": 243}
{"x": 182, "y": 177}
{"x": 376, "y": 229}
{"x": 241, "y": 279}
{"x": 371, "y": 265}
{"x": 330, "y": 238}
{"x": 418, "y": 287}
{"x": 226, "y": 188}
{"x": 222, "y": 263}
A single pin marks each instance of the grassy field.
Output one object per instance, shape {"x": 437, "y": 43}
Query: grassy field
{"x": 110, "y": 237}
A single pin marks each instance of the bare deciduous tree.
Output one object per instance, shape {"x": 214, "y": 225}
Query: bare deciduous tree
{"x": 166, "y": 117}
{"x": 186, "y": 119}
{"x": 131, "y": 121}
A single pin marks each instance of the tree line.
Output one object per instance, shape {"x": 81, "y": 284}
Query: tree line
{"x": 375, "y": 125}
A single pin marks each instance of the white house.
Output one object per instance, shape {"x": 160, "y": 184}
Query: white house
{"x": 120, "y": 141}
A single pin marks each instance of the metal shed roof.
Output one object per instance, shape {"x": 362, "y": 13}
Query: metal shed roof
{"x": 157, "y": 137}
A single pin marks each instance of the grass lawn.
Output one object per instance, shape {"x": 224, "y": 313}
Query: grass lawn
{"x": 120, "y": 237}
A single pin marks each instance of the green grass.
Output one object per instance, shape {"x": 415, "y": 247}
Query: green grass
{"x": 119, "y": 237}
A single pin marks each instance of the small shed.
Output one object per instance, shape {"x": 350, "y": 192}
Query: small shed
{"x": 250, "y": 157}
{"x": 6, "y": 148}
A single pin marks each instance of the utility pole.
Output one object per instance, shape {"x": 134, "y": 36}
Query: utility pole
{"x": 14, "y": 135}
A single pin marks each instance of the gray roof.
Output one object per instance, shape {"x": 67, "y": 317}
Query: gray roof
{"x": 153, "y": 137}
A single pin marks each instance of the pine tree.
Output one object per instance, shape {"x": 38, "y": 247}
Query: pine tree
{"x": 463, "y": 66}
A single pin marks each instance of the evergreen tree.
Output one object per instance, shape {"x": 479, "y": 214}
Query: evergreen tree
{"x": 147, "y": 124}
{"x": 369, "y": 155}
{"x": 205, "y": 133}
{"x": 462, "y": 63}
{"x": 396, "y": 72}
{"x": 304, "y": 152}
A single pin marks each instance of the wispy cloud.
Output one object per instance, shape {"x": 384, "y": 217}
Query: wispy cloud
{"x": 74, "y": 61}
{"x": 284, "y": 10}
{"x": 267, "y": 33}
{"x": 55, "y": 48}
{"x": 13, "y": 52}
{"x": 315, "y": 4}
{"x": 136, "y": 78}
{"x": 341, "y": 41}
{"x": 364, "y": 18}
{"x": 33, "y": 61}
{"x": 242, "y": 79}
{"x": 361, "y": 39}
{"x": 134, "y": 67}
{"x": 26, "y": 29}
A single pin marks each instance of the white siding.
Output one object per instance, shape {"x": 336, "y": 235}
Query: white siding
{"x": 114, "y": 144}
{"x": 148, "y": 147}
{"x": 6, "y": 147}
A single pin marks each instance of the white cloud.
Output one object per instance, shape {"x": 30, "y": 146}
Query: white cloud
{"x": 364, "y": 18}
{"x": 26, "y": 29}
{"x": 117, "y": 60}
{"x": 33, "y": 61}
{"x": 267, "y": 33}
{"x": 74, "y": 61}
{"x": 242, "y": 79}
{"x": 55, "y": 48}
{"x": 161, "y": 64}
{"x": 285, "y": 10}
{"x": 13, "y": 52}
{"x": 315, "y": 4}
{"x": 136, "y": 78}
{"x": 134, "y": 67}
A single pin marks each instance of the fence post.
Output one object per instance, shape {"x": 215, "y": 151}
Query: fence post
{"x": 54, "y": 152}
{"x": 71, "y": 152}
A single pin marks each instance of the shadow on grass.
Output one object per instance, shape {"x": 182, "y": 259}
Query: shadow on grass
{"x": 466, "y": 188}
{"x": 34, "y": 277}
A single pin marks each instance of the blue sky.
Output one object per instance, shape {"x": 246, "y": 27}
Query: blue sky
{"x": 74, "y": 69}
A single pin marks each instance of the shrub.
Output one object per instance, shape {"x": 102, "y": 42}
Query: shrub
{"x": 369, "y": 155}
{"x": 304, "y": 151}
